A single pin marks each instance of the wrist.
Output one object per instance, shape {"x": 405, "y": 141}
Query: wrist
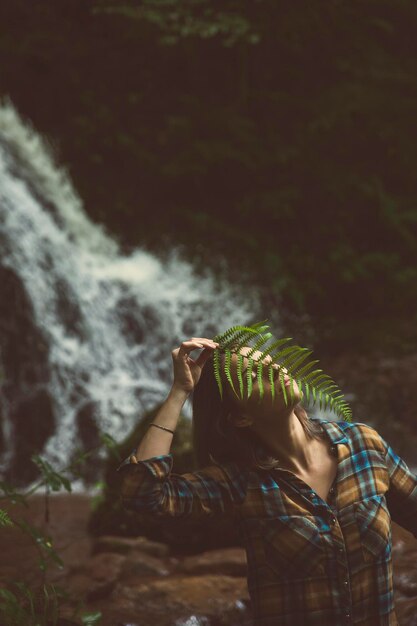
{"x": 178, "y": 393}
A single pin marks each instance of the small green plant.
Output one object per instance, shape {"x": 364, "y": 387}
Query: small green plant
{"x": 39, "y": 604}
{"x": 314, "y": 384}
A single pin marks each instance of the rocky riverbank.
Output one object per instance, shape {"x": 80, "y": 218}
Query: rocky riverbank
{"x": 137, "y": 582}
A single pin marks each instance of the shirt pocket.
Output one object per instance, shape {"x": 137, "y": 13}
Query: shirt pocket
{"x": 293, "y": 546}
{"x": 374, "y": 522}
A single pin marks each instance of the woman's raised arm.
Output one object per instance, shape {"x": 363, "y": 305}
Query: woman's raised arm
{"x": 149, "y": 486}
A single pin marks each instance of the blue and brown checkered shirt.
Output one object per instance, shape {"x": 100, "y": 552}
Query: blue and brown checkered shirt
{"x": 310, "y": 562}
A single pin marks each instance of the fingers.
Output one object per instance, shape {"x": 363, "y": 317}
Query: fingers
{"x": 203, "y": 357}
{"x": 194, "y": 344}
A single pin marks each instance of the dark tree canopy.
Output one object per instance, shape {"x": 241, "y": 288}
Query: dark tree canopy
{"x": 278, "y": 134}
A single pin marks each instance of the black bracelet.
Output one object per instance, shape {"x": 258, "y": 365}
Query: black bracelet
{"x": 163, "y": 427}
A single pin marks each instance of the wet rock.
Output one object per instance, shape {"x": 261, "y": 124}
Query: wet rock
{"x": 67, "y": 309}
{"x": 139, "y": 564}
{"x": 23, "y": 348}
{"x": 97, "y": 577}
{"x": 33, "y": 423}
{"x": 222, "y": 600}
{"x": 131, "y": 319}
{"x": 86, "y": 422}
{"x": 25, "y": 404}
{"x": 228, "y": 562}
{"x": 125, "y": 545}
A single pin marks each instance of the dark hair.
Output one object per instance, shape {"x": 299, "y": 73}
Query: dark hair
{"x": 217, "y": 440}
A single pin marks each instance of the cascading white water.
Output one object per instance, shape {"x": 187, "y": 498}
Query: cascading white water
{"x": 71, "y": 268}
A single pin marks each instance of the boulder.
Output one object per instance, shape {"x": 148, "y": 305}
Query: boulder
{"x": 33, "y": 423}
{"x": 125, "y": 545}
{"x": 228, "y": 562}
{"x": 220, "y": 600}
{"x": 25, "y": 402}
{"x": 95, "y": 578}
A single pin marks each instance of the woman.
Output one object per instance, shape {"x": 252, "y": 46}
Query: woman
{"x": 314, "y": 499}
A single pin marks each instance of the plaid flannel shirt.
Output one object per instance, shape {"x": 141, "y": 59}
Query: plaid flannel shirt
{"x": 310, "y": 562}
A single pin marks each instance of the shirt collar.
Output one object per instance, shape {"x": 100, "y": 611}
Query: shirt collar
{"x": 334, "y": 431}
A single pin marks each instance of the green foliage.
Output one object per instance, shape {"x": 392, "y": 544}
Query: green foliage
{"x": 53, "y": 479}
{"x": 43, "y": 543}
{"x": 315, "y": 386}
{"x": 40, "y": 605}
{"x": 5, "y": 519}
{"x": 98, "y": 499}
{"x": 29, "y": 607}
{"x": 12, "y": 495}
{"x": 110, "y": 444}
{"x": 91, "y": 619}
{"x": 181, "y": 19}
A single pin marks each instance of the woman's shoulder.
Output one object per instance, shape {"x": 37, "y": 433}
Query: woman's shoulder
{"x": 360, "y": 433}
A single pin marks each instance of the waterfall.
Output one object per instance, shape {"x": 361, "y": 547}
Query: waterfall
{"x": 107, "y": 320}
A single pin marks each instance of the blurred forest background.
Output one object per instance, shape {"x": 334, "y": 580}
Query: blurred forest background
{"x": 279, "y": 136}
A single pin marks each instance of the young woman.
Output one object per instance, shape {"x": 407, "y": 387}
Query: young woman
{"x": 314, "y": 499}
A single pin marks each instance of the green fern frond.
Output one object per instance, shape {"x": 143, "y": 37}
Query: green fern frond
{"x": 313, "y": 384}
{"x": 259, "y": 373}
{"x": 5, "y": 519}
{"x": 239, "y": 372}
{"x": 227, "y": 362}
{"x": 302, "y": 372}
{"x": 249, "y": 375}
{"x": 216, "y": 368}
{"x": 271, "y": 380}
{"x": 259, "y": 343}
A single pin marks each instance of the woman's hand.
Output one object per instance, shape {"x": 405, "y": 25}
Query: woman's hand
{"x": 187, "y": 372}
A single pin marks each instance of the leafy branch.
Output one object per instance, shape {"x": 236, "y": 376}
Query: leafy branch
{"x": 315, "y": 386}
{"x": 23, "y": 605}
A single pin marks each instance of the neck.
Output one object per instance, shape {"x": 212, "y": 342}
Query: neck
{"x": 286, "y": 440}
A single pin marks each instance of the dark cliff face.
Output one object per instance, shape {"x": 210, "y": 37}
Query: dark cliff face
{"x": 24, "y": 399}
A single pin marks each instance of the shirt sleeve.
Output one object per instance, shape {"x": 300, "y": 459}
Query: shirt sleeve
{"x": 402, "y": 493}
{"x": 150, "y": 486}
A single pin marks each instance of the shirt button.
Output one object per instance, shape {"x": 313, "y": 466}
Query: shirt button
{"x": 333, "y": 519}
{"x": 331, "y": 490}
{"x": 345, "y": 582}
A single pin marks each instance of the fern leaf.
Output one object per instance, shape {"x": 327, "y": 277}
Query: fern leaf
{"x": 258, "y": 344}
{"x": 303, "y": 371}
{"x": 260, "y": 380}
{"x": 228, "y": 358}
{"x": 249, "y": 375}
{"x": 5, "y": 519}
{"x": 282, "y": 382}
{"x": 216, "y": 368}
{"x": 307, "y": 389}
{"x": 312, "y": 383}
{"x": 302, "y": 355}
{"x": 239, "y": 373}
{"x": 271, "y": 349}
{"x": 271, "y": 380}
